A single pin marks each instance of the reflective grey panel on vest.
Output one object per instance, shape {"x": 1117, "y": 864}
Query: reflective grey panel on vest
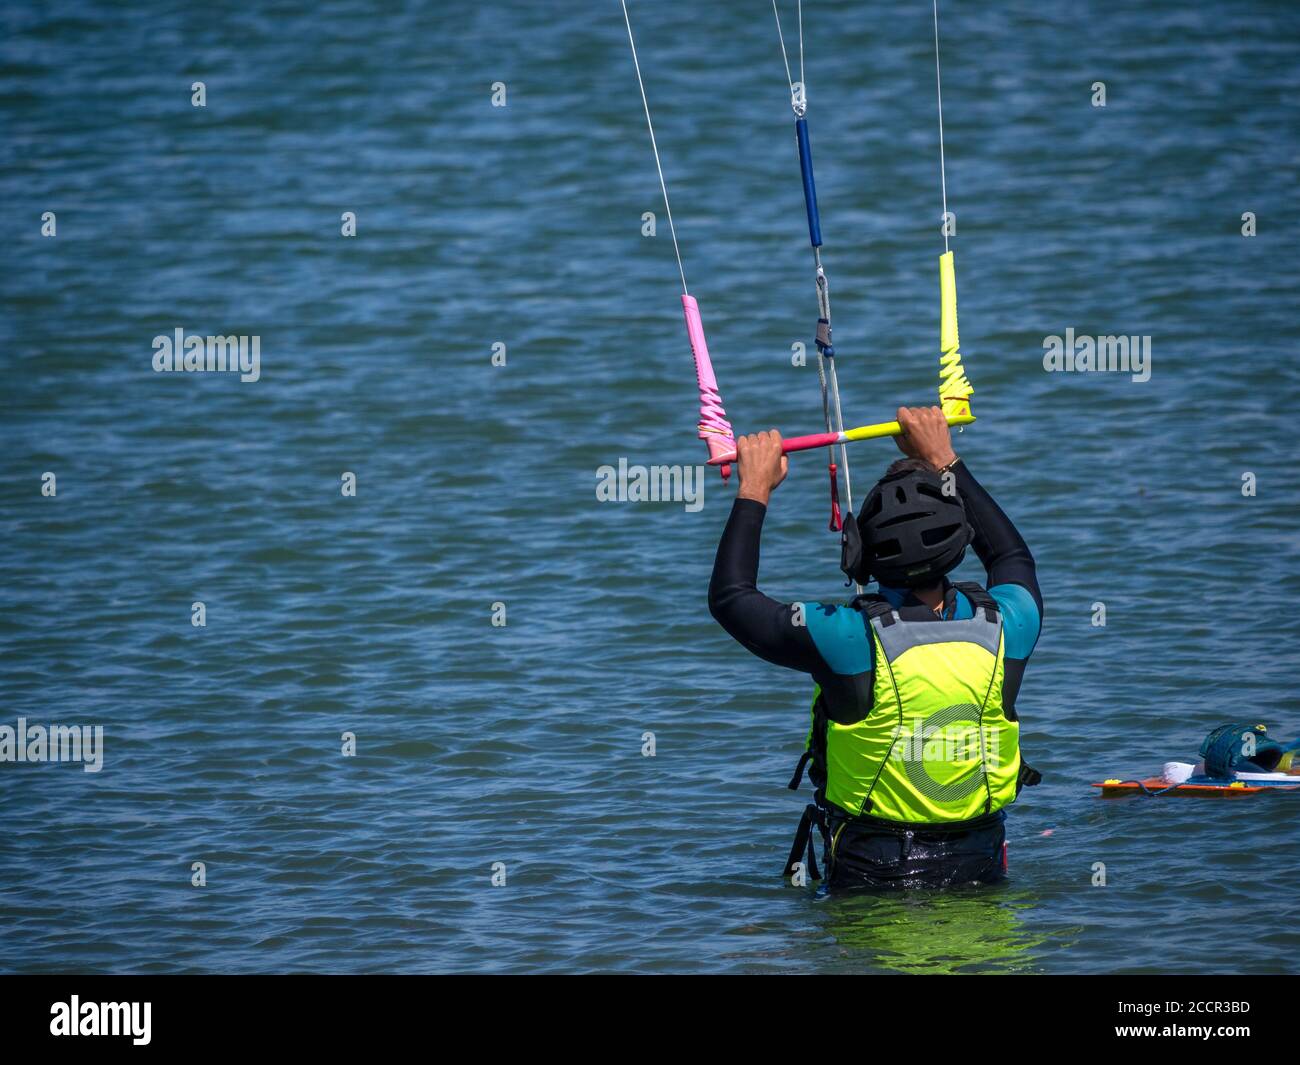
{"x": 904, "y": 635}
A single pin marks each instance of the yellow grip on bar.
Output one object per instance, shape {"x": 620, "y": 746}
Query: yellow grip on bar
{"x": 956, "y": 415}
{"x": 954, "y": 387}
{"x": 947, "y": 304}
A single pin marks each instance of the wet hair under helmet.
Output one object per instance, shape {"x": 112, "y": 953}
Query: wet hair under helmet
{"x": 909, "y": 533}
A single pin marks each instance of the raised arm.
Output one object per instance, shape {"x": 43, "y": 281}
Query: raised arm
{"x": 763, "y": 625}
{"x": 998, "y": 544}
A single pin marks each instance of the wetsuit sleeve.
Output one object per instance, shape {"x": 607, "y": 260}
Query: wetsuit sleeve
{"x": 1000, "y": 547}
{"x": 1012, "y": 580}
{"x": 763, "y": 625}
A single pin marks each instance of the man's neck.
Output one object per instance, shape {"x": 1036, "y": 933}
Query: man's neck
{"x": 931, "y": 597}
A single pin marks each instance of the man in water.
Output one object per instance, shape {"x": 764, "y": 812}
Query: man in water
{"x": 914, "y": 746}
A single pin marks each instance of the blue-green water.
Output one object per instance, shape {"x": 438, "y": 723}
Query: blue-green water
{"x": 521, "y": 225}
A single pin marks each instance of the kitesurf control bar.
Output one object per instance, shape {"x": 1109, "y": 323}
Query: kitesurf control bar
{"x": 849, "y": 436}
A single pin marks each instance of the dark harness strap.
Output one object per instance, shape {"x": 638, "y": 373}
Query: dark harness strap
{"x": 874, "y": 606}
{"x": 804, "y": 841}
{"x": 797, "y": 779}
{"x": 978, "y": 597}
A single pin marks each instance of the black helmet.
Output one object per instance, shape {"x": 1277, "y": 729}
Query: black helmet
{"x": 908, "y": 533}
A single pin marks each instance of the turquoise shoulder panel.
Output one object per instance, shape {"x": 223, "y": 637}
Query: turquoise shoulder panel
{"x": 1020, "y": 620}
{"x": 840, "y": 636}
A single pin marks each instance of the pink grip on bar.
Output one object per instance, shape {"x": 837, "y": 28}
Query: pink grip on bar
{"x": 812, "y": 440}
{"x": 793, "y": 443}
{"x": 715, "y": 429}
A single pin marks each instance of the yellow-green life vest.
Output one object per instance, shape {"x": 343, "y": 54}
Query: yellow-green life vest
{"x": 935, "y": 745}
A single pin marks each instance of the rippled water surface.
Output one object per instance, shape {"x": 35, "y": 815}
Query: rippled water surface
{"x": 521, "y": 225}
